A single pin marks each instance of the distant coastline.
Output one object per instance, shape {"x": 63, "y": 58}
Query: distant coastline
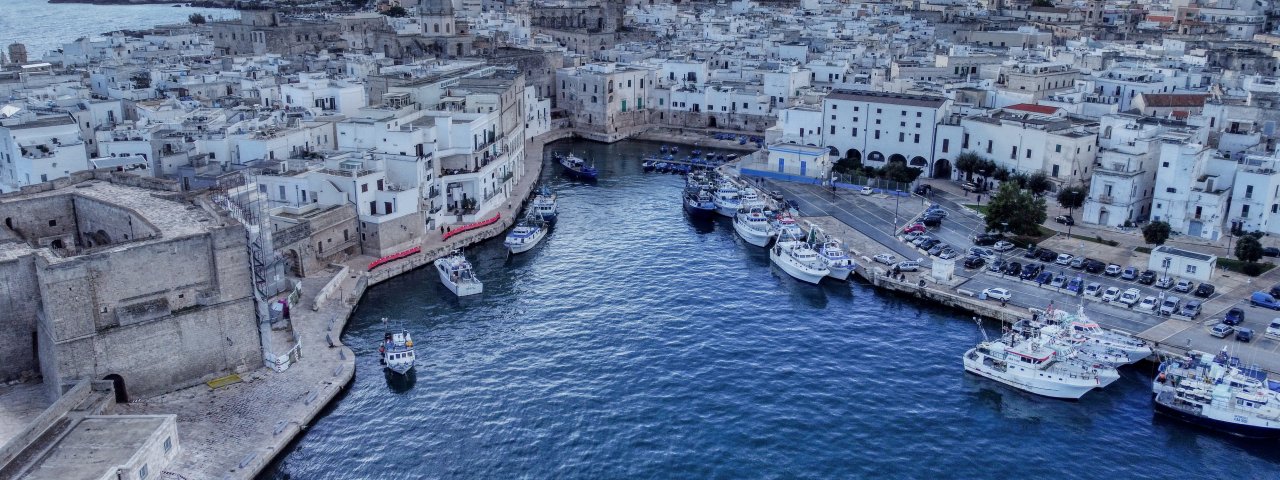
{"x": 193, "y": 3}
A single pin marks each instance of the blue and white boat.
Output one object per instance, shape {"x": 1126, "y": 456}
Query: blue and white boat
{"x": 753, "y": 226}
{"x": 576, "y": 168}
{"x": 649, "y": 165}
{"x": 397, "y": 351}
{"x": 544, "y": 204}
{"x": 1213, "y": 391}
{"x": 526, "y": 234}
{"x": 727, "y": 199}
{"x": 699, "y": 204}
{"x": 832, "y": 251}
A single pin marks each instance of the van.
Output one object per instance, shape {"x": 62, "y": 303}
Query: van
{"x": 1273, "y": 330}
{"x": 1264, "y": 299}
{"x": 907, "y": 266}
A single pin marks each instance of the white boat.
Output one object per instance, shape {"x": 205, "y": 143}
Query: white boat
{"x": 456, "y": 274}
{"x": 753, "y": 226}
{"x": 526, "y": 234}
{"x": 544, "y": 204}
{"x": 832, "y": 251}
{"x": 727, "y": 200}
{"x": 795, "y": 257}
{"x": 1079, "y": 325}
{"x": 397, "y": 351}
{"x": 1033, "y": 367}
{"x": 749, "y": 198}
{"x": 785, "y": 226}
{"x": 1212, "y": 391}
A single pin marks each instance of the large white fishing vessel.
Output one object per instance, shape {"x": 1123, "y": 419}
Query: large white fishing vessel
{"x": 456, "y": 274}
{"x": 1031, "y": 366}
{"x": 1214, "y": 392}
{"x": 753, "y": 226}
{"x": 526, "y": 234}
{"x": 795, "y": 257}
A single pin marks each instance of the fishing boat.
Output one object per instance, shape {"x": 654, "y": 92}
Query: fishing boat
{"x": 526, "y": 234}
{"x": 1213, "y": 391}
{"x": 456, "y": 274}
{"x": 753, "y": 226}
{"x": 831, "y": 251}
{"x": 785, "y": 226}
{"x": 576, "y": 168}
{"x": 795, "y": 257}
{"x": 727, "y": 200}
{"x": 649, "y": 164}
{"x": 1029, "y": 365}
{"x": 749, "y": 198}
{"x": 397, "y": 351}
{"x": 545, "y": 204}
{"x": 700, "y": 204}
{"x": 1133, "y": 348}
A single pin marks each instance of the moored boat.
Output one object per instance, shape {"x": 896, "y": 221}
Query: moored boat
{"x": 832, "y": 251}
{"x": 795, "y": 257}
{"x": 699, "y": 204}
{"x": 526, "y": 234}
{"x": 545, "y": 204}
{"x": 578, "y": 169}
{"x": 1214, "y": 392}
{"x": 397, "y": 351}
{"x": 726, "y": 198}
{"x": 753, "y": 226}
{"x": 1030, "y": 366}
{"x": 456, "y": 274}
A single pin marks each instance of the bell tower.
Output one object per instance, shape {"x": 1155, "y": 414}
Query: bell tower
{"x": 437, "y": 17}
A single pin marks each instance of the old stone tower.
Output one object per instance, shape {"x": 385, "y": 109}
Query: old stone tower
{"x": 437, "y": 17}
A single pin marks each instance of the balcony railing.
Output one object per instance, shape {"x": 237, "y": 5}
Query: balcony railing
{"x": 1107, "y": 199}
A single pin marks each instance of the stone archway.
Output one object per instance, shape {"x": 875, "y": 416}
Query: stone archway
{"x": 942, "y": 168}
{"x": 833, "y": 151}
{"x": 853, "y": 154}
{"x": 875, "y": 156}
{"x": 293, "y": 263}
{"x": 919, "y": 162}
{"x": 117, "y": 382}
{"x": 898, "y": 158}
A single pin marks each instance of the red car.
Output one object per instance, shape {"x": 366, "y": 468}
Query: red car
{"x": 915, "y": 227}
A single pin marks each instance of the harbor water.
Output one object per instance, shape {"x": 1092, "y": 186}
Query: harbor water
{"x": 633, "y": 343}
{"x": 43, "y": 26}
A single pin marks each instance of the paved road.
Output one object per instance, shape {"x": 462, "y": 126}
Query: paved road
{"x": 871, "y": 220}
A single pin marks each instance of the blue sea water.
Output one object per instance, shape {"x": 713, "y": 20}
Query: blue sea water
{"x": 44, "y": 26}
{"x": 635, "y": 344}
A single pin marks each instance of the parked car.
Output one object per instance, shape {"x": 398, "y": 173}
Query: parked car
{"x": 920, "y": 240}
{"x": 907, "y": 266}
{"x": 923, "y": 189}
{"x": 1112, "y": 270}
{"x": 867, "y": 190}
{"x": 1221, "y": 330}
{"x": 1147, "y": 277}
{"x": 932, "y": 221}
{"x": 1130, "y": 297}
{"x": 1031, "y": 252}
{"x": 985, "y": 253}
{"x": 974, "y": 261}
{"x": 1190, "y": 309}
{"x": 1244, "y": 334}
{"x": 1063, "y": 259}
{"x": 1147, "y": 305}
{"x": 969, "y": 186}
{"x": 1170, "y": 305}
{"x": 948, "y": 254}
{"x": 1273, "y": 330}
{"x": 1129, "y": 273}
{"x": 986, "y": 239}
{"x": 1204, "y": 290}
{"x": 1012, "y": 268}
{"x": 1058, "y": 281}
{"x": 996, "y": 266}
{"x": 1077, "y": 263}
{"x": 1046, "y": 255}
{"x": 1235, "y": 316}
{"x": 1183, "y": 286}
{"x": 1271, "y": 252}
{"x": 930, "y": 243}
{"x": 935, "y": 211}
{"x": 1264, "y": 299}
{"x": 1030, "y": 271}
{"x": 886, "y": 258}
{"x": 937, "y": 248}
{"x": 1093, "y": 266}
{"x": 998, "y": 294}
{"x": 1164, "y": 282}
{"x": 915, "y": 227}
{"x": 1065, "y": 219}
{"x": 1074, "y": 285}
{"x": 1002, "y": 246}
{"x": 1044, "y": 277}
{"x": 1093, "y": 289}
{"x": 1111, "y": 294}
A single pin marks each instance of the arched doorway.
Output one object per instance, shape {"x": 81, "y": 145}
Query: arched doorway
{"x": 122, "y": 395}
{"x": 942, "y": 168}
{"x": 919, "y": 162}
{"x": 293, "y": 264}
{"x": 853, "y": 154}
{"x": 897, "y": 157}
{"x": 1103, "y": 217}
{"x": 833, "y": 151}
{"x": 8, "y": 222}
{"x": 875, "y": 157}
{"x": 711, "y": 122}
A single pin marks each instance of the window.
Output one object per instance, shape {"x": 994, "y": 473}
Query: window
{"x": 877, "y": 121}
{"x": 168, "y": 444}
{"x": 964, "y": 142}
{"x": 1028, "y": 153}
{"x": 878, "y": 111}
{"x": 946, "y": 145}
{"x": 919, "y": 114}
{"x": 1248, "y": 191}
{"x": 1057, "y": 148}
{"x": 855, "y": 109}
{"x": 833, "y": 130}
{"x": 364, "y": 187}
{"x": 917, "y": 125}
{"x": 833, "y": 117}
{"x": 53, "y": 223}
{"x": 835, "y": 106}
{"x": 917, "y": 140}
{"x": 143, "y": 472}
{"x": 1013, "y": 153}
{"x": 902, "y": 124}
{"x": 1191, "y": 269}
{"x": 901, "y": 136}
{"x": 1054, "y": 174}
{"x": 877, "y": 138}
{"x": 904, "y": 113}
{"x": 1164, "y": 164}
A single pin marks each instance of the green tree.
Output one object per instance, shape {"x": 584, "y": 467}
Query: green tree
{"x": 900, "y": 172}
{"x": 396, "y": 11}
{"x": 1038, "y": 183}
{"x": 1156, "y": 233}
{"x": 196, "y": 18}
{"x": 1249, "y": 249}
{"x": 1072, "y": 197}
{"x": 967, "y": 163}
{"x": 1021, "y": 210}
{"x": 848, "y": 165}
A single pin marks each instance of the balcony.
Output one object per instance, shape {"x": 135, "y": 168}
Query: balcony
{"x": 1106, "y": 199}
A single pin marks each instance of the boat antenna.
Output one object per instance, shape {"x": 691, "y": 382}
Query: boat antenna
{"x": 978, "y": 321}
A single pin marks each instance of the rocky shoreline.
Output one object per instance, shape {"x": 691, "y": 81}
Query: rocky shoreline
{"x": 195, "y": 3}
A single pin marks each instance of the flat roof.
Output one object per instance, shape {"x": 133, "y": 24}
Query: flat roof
{"x": 97, "y": 446}
{"x": 1177, "y": 252}
{"x": 889, "y": 98}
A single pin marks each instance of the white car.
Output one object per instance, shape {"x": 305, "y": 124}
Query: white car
{"x": 997, "y": 294}
{"x": 1111, "y": 294}
{"x": 885, "y": 258}
{"x": 1064, "y": 259}
{"x": 1148, "y": 305}
{"x": 1093, "y": 289}
{"x": 1130, "y": 297}
{"x": 868, "y": 190}
{"x": 1003, "y": 246}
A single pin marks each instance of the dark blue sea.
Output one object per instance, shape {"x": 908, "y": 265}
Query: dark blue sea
{"x": 635, "y": 344}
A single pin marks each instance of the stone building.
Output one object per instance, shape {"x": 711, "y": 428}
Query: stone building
{"x": 111, "y": 281}
{"x": 584, "y": 27}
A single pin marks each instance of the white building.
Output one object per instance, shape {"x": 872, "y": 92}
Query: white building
{"x": 38, "y": 148}
{"x": 877, "y": 128}
{"x": 1026, "y": 138}
{"x": 1193, "y": 187}
{"x": 1255, "y": 198}
{"x": 1178, "y": 263}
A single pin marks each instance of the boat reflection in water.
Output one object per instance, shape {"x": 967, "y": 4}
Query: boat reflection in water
{"x": 400, "y": 383}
